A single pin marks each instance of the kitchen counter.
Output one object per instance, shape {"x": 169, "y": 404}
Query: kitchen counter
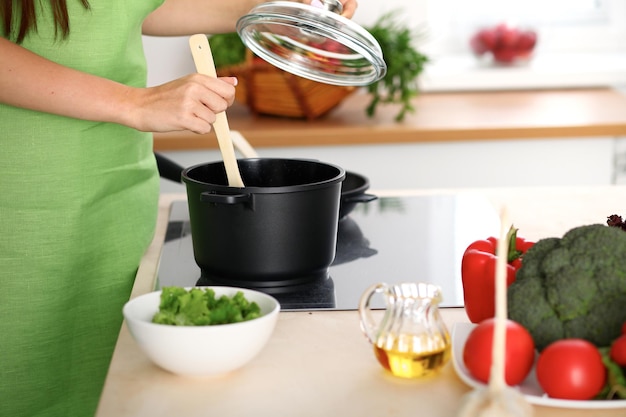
{"x": 438, "y": 117}
{"x": 319, "y": 363}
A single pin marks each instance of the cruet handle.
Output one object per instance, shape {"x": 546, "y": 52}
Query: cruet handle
{"x": 369, "y": 325}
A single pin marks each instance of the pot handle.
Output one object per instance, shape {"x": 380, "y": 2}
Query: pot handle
{"x": 225, "y": 198}
{"x": 361, "y": 198}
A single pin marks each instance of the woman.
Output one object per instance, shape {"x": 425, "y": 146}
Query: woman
{"x": 78, "y": 180}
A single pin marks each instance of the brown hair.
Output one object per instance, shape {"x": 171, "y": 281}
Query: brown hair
{"x": 20, "y": 16}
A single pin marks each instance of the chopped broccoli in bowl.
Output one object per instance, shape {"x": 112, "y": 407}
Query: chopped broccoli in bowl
{"x": 200, "y": 307}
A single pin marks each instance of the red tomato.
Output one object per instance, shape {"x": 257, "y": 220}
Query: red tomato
{"x": 519, "y": 352}
{"x": 489, "y": 38}
{"x": 571, "y": 369}
{"x": 618, "y": 350}
{"x": 508, "y": 36}
{"x": 505, "y": 55}
{"x": 477, "y": 45}
{"x": 526, "y": 41}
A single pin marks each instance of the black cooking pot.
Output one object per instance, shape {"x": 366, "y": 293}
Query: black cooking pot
{"x": 280, "y": 229}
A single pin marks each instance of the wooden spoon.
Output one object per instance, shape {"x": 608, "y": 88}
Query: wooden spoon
{"x": 498, "y": 399}
{"x": 203, "y": 58}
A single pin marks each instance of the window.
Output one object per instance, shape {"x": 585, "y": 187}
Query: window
{"x": 564, "y": 25}
{"x": 550, "y": 11}
{"x": 580, "y": 42}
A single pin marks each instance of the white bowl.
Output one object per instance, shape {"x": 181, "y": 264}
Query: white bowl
{"x": 201, "y": 350}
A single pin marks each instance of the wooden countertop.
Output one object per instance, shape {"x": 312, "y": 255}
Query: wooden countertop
{"x": 438, "y": 117}
{"x": 318, "y": 364}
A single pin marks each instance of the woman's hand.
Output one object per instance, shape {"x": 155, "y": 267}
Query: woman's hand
{"x": 349, "y": 8}
{"x": 188, "y": 103}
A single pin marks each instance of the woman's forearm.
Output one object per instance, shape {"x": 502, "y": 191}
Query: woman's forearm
{"x": 30, "y": 81}
{"x": 185, "y": 17}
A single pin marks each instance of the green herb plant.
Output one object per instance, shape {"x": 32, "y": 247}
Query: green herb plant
{"x": 404, "y": 65}
{"x": 228, "y": 49}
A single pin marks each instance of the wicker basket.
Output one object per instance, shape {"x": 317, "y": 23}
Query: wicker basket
{"x": 268, "y": 90}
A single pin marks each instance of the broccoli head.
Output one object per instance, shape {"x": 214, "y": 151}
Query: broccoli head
{"x": 574, "y": 286}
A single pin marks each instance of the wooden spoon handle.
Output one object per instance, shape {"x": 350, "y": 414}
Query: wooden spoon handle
{"x": 496, "y": 377}
{"x": 203, "y": 58}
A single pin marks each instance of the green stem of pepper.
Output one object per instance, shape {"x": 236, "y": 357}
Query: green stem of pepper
{"x": 513, "y": 253}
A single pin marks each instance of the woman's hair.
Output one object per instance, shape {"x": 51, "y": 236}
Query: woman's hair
{"x": 19, "y": 17}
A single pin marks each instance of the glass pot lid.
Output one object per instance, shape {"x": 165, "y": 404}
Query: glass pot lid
{"x": 313, "y": 41}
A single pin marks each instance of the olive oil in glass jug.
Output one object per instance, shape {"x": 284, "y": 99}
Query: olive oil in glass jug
{"x": 411, "y": 340}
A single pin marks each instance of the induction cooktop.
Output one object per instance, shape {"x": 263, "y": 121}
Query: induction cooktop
{"x": 391, "y": 239}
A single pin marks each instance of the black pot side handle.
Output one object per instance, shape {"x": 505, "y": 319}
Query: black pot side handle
{"x": 361, "y": 198}
{"x": 168, "y": 169}
{"x": 229, "y": 199}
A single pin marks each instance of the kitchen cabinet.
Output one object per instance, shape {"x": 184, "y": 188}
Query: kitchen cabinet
{"x": 472, "y": 139}
{"x": 438, "y": 118}
{"x": 521, "y": 162}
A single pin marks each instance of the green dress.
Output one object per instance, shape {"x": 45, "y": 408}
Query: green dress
{"x": 78, "y": 204}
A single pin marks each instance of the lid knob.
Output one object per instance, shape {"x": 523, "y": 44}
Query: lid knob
{"x": 334, "y": 6}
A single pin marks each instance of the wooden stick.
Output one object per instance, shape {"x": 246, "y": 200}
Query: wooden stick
{"x": 203, "y": 58}
{"x": 497, "y": 377}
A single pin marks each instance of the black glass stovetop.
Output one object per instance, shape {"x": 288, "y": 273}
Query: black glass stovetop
{"x": 391, "y": 239}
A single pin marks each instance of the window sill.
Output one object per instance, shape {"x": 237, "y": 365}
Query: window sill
{"x": 465, "y": 73}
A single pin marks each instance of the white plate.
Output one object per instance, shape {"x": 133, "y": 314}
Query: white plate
{"x": 530, "y": 387}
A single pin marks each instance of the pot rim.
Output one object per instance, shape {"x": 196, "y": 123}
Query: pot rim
{"x": 340, "y": 177}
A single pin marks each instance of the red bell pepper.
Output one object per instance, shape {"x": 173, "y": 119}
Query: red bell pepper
{"x": 478, "y": 268}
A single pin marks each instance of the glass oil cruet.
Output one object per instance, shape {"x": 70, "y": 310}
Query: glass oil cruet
{"x": 411, "y": 339}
